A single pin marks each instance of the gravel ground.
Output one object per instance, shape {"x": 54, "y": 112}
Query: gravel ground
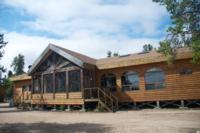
{"x": 143, "y": 121}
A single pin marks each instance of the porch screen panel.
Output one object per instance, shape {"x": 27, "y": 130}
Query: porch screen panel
{"x": 60, "y": 82}
{"x": 48, "y": 83}
{"x": 74, "y": 81}
{"x": 37, "y": 85}
{"x": 88, "y": 80}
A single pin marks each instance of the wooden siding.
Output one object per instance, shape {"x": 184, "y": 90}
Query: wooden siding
{"x": 177, "y": 87}
{"x": 60, "y": 98}
{"x": 17, "y": 91}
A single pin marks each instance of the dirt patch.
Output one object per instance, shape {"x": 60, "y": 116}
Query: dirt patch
{"x": 13, "y": 120}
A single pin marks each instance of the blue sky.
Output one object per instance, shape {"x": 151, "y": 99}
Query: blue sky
{"x": 91, "y": 27}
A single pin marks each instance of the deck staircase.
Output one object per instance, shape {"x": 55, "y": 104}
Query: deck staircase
{"x": 104, "y": 98}
{"x": 23, "y": 103}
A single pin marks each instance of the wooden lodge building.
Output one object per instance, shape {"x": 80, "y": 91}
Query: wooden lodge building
{"x": 63, "y": 77}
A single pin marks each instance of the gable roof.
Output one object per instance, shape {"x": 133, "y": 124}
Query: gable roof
{"x": 20, "y": 77}
{"x": 76, "y": 58}
{"x": 140, "y": 59}
{"x": 111, "y": 62}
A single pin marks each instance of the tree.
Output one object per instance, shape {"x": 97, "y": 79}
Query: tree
{"x": 10, "y": 73}
{"x": 2, "y": 44}
{"x": 9, "y": 88}
{"x": 115, "y": 54}
{"x": 29, "y": 67}
{"x": 18, "y": 64}
{"x": 185, "y": 29}
{"x": 109, "y": 53}
{"x": 147, "y": 48}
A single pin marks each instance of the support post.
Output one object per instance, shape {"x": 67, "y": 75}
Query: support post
{"x": 54, "y": 87}
{"x": 67, "y": 84}
{"x": 54, "y": 108}
{"x": 42, "y": 87}
{"x": 81, "y": 77}
{"x": 182, "y": 106}
{"x": 68, "y": 108}
{"x": 32, "y": 86}
{"x": 135, "y": 105}
{"x": 182, "y": 103}
{"x": 31, "y": 108}
{"x": 157, "y": 104}
{"x": 83, "y": 108}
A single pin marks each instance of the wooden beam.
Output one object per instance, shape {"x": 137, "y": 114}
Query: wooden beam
{"x": 54, "y": 85}
{"x": 66, "y": 55}
{"x": 68, "y": 69}
{"x": 40, "y": 59}
{"x": 67, "y": 84}
{"x": 81, "y": 84}
{"x": 42, "y": 86}
{"x": 32, "y": 86}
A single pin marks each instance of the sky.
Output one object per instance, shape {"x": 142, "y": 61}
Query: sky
{"x": 91, "y": 27}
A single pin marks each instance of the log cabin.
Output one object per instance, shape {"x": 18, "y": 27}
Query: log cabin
{"x": 63, "y": 77}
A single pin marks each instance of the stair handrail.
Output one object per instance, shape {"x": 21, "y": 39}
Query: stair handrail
{"x": 113, "y": 100}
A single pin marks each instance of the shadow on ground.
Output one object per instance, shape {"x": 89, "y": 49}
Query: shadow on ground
{"x": 13, "y": 111}
{"x": 53, "y": 128}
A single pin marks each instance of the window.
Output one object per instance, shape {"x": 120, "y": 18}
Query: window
{"x": 37, "y": 84}
{"x": 74, "y": 81}
{"x": 185, "y": 71}
{"x": 109, "y": 81}
{"x": 48, "y": 83}
{"x": 26, "y": 87}
{"x": 60, "y": 82}
{"x": 154, "y": 79}
{"x": 130, "y": 81}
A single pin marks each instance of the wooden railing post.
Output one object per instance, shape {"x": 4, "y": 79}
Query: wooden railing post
{"x": 98, "y": 93}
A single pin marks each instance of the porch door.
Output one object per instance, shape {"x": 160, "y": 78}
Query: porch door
{"x": 74, "y": 81}
{"x": 108, "y": 82}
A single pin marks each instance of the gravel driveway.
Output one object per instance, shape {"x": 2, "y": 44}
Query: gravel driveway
{"x": 143, "y": 121}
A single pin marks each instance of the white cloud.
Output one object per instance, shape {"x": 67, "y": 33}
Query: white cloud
{"x": 66, "y": 17}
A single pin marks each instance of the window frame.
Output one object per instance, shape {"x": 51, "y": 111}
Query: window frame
{"x": 186, "y": 71}
{"x": 111, "y": 88}
{"x": 131, "y": 85}
{"x": 155, "y": 85}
